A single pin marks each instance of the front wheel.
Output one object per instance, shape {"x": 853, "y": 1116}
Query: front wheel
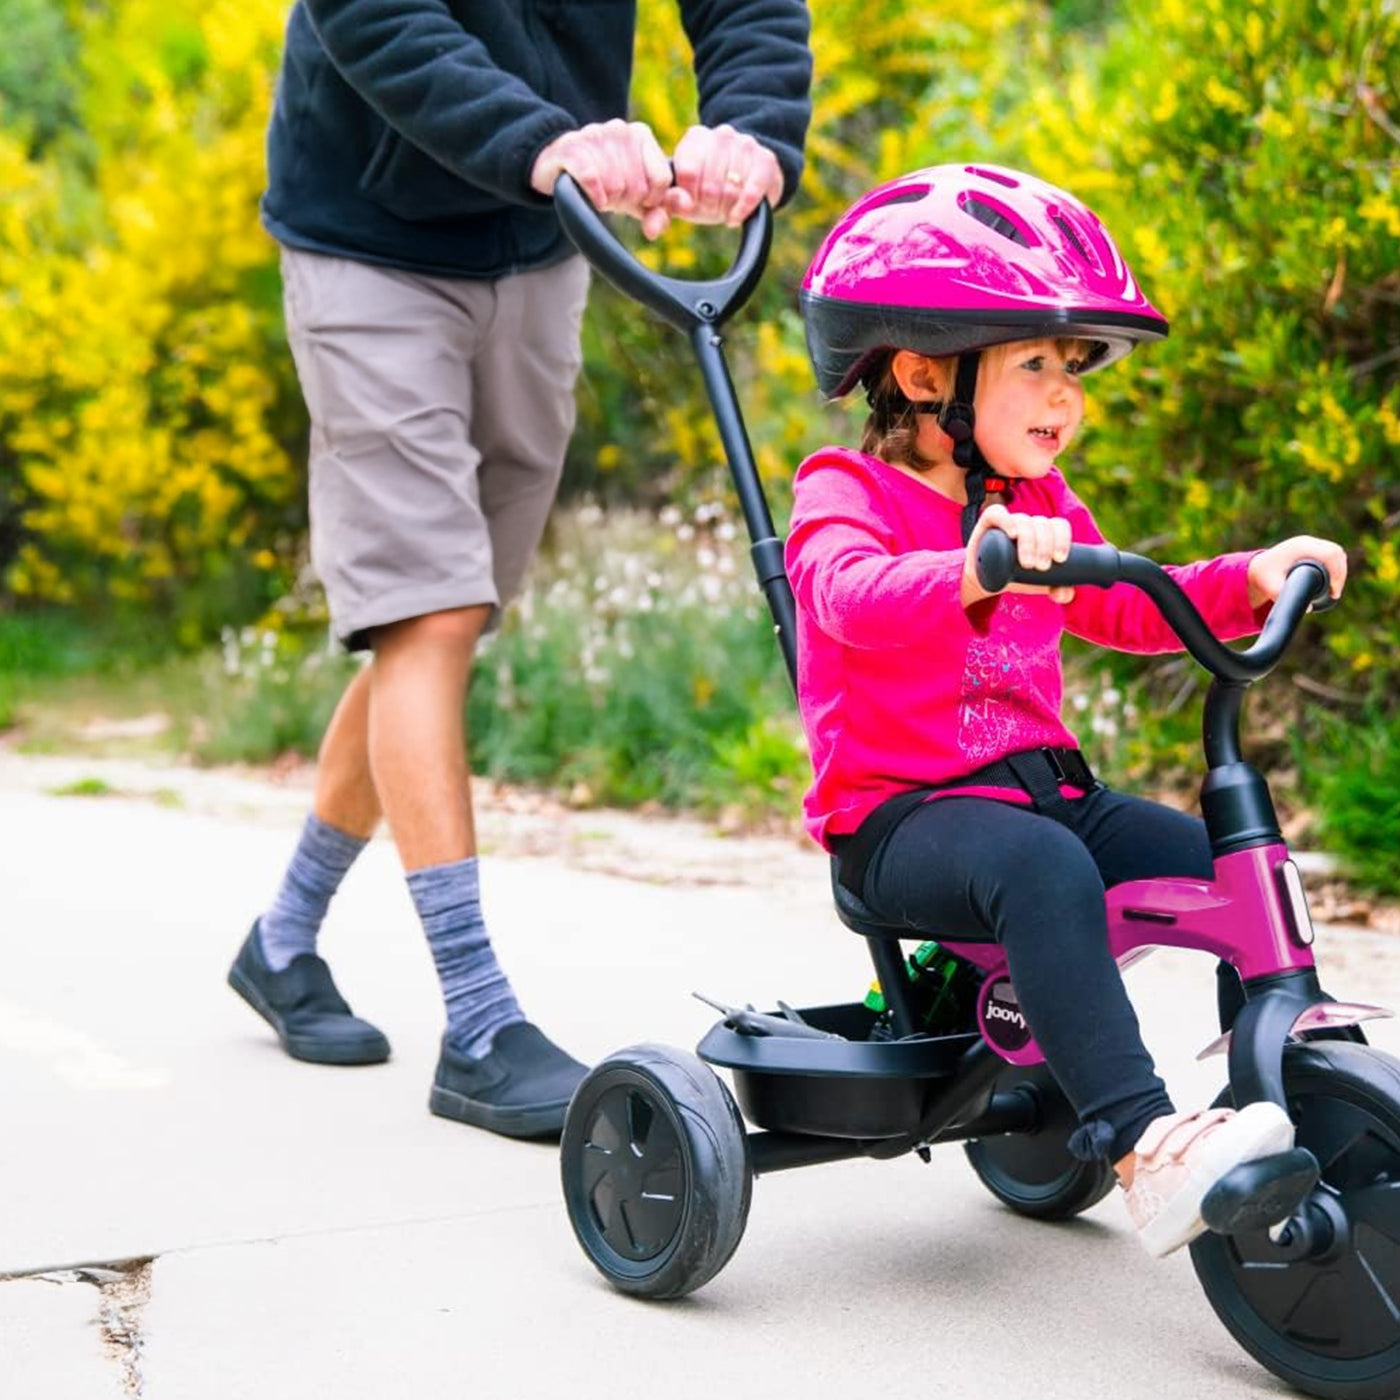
{"x": 1035, "y": 1173}
{"x": 1326, "y": 1320}
{"x": 656, "y": 1171}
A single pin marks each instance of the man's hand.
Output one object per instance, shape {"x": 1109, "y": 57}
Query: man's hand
{"x": 721, "y": 176}
{"x": 1269, "y": 569}
{"x": 1041, "y": 540}
{"x": 620, "y": 167}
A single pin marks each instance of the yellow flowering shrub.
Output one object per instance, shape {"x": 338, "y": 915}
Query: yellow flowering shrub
{"x": 146, "y": 405}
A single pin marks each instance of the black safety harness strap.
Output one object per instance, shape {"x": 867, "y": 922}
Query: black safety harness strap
{"x": 1037, "y": 772}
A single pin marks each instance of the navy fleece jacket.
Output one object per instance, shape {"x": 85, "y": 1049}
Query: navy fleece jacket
{"x": 404, "y": 131}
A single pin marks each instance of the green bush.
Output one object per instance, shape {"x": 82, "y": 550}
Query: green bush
{"x": 266, "y": 694}
{"x": 638, "y": 667}
{"x": 1358, "y": 797}
{"x": 38, "y": 63}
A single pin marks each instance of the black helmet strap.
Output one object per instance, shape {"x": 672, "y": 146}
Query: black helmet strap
{"x": 959, "y": 420}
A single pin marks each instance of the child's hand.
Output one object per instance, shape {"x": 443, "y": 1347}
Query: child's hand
{"x": 1041, "y": 540}
{"x": 1268, "y": 569}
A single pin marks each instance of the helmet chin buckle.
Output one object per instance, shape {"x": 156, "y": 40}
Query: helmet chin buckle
{"x": 958, "y": 421}
{"x": 959, "y": 418}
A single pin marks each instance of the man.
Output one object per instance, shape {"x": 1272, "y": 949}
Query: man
{"x": 433, "y": 308}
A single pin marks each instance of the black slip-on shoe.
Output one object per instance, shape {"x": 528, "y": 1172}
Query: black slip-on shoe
{"x": 302, "y": 1005}
{"x": 521, "y": 1088}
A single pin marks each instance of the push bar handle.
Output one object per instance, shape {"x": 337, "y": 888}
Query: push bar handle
{"x": 1102, "y": 565}
{"x": 683, "y": 304}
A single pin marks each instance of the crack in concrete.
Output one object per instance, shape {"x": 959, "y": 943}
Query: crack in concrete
{"x": 124, "y": 1289}
{"x": 124, "y": 1301}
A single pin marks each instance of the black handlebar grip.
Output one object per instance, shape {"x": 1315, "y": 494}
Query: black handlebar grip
{"x": 1099, "y": 564}
{"x": 1322, "y": 599}
{"x": 996, "y": 560}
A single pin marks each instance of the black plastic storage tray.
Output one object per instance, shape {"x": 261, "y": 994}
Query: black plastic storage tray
{"x": 849, "y": 1088}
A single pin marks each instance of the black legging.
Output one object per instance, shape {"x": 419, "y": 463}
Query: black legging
{"x": 976, "y": 869}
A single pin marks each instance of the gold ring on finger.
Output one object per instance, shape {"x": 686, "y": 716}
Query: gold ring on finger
{"x": 732, "y": 177}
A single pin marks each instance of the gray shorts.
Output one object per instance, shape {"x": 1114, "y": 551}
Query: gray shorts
{"x": 440, "y": 413}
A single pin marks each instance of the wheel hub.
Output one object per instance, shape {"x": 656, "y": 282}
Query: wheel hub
{"x": 634, "y": 1174}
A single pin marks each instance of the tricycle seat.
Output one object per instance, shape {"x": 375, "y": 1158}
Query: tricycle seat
{"x": 860, "y": 918}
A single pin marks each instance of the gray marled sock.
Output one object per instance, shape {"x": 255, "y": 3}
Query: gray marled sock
{"x": 478, "y": 996}
{"x": 320, "y": 861}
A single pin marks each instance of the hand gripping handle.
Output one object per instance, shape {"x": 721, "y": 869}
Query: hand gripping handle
{"x": 1103, "y": 565}
{"x": 684, "y": 304}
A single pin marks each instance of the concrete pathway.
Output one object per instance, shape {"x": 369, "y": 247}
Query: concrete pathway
{"x": 315, "y": 1232}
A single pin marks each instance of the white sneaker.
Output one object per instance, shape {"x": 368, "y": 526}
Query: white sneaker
{"x": 1182, "y": 1155}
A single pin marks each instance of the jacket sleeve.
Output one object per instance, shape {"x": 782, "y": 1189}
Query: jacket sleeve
{"x": 847, "y": 577}
{"x": 1125, "y": 618}
{"x": 434, "y": 83}
{"x": 753, "y": 68}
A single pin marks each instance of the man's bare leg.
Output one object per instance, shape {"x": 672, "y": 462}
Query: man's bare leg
{"x": 496, "y": 1069}
{"x": 279, "y": 971}
{"x": 417, "y": 748}
{"x": 345, "y": 797}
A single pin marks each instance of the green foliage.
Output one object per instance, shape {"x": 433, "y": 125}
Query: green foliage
{"x": 1358, "y": 797}
{"x": 38, "y": 62}
{"x": 638, "y": 668}
{"x": 84, "y": 787}
{"x": 269, "y": 693}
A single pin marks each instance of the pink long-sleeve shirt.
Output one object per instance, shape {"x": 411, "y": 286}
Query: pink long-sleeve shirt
{"x": 899, "y": 685}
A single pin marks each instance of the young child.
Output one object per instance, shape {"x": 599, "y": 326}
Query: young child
{"x": 969, "y": 302}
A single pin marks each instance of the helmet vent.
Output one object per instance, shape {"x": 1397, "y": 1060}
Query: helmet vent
{"x": 998, "y": 176}
{"x": 1072, "y": 238}
{"x": 910, "y": 194}
{"x": 996, "y": 220}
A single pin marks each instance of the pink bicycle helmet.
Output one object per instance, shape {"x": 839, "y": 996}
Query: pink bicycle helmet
{"x": 956, "y": 258}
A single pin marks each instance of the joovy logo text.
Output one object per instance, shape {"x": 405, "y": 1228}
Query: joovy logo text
{"x": 1003, "y": 1022}
{"x": 1004, "y": 1013}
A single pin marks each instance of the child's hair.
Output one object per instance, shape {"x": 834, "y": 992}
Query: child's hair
{"x": 892, "y": 429}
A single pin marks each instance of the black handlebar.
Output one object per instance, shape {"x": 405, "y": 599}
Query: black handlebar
{"x": 683, "y": 304}
{"x": 1103, "y": 565}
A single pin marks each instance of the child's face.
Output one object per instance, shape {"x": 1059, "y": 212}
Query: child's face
{"x": 1030, "y": 402}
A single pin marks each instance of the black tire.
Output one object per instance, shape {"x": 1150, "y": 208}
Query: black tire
{"x": 656, "y": 1171}
{"x": 1035, "y": 1173}
{"x": 1329, "y": 1326}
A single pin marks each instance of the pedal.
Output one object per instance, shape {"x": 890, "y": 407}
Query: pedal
{"x": 1258, "y": 1194}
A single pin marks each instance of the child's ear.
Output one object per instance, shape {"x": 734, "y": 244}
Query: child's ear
{"x": 918, "y": 376}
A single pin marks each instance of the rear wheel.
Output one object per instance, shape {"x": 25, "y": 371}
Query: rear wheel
{"x": 656, "y": 1171}
{"x": 1035, "y": 1173}
{"x": 1324, "y": 1312}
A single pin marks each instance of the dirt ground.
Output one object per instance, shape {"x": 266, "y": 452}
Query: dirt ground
{"x": 649, "y": 845}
